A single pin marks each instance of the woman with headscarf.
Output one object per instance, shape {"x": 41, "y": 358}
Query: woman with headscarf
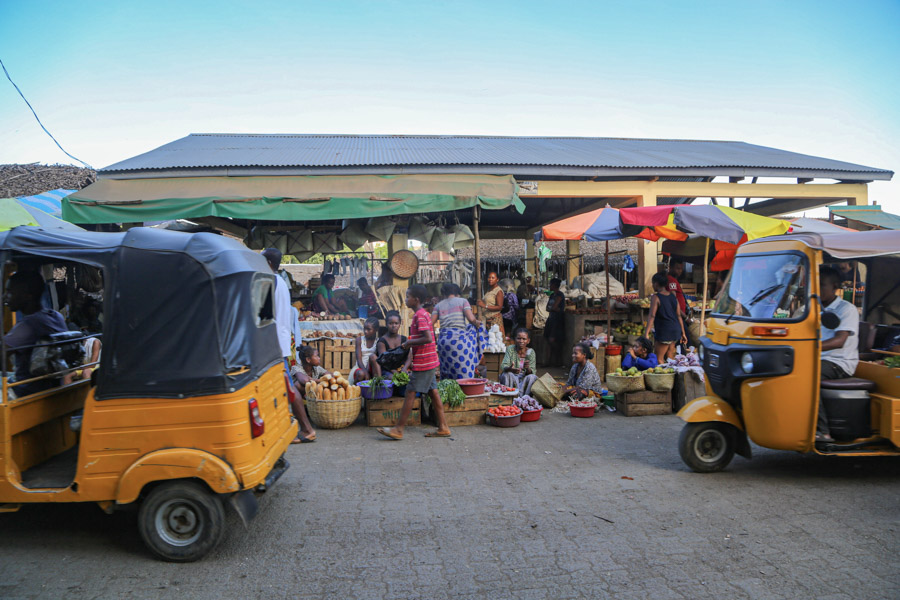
{"x": 459, "y": 344}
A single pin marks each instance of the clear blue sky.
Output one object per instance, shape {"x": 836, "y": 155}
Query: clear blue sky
{"x": 114, "y": 79}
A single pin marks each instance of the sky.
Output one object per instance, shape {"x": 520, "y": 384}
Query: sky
{"x": 112, "y": 80}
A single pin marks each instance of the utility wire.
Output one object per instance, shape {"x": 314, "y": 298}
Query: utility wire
{"x": 39, "y": 120}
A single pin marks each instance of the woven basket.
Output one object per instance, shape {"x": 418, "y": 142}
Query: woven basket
{"x": 547, "y": 391}
{"x": 619, "y": 384}
{"x": 659, "y": 382}
{"x": 334, "y": 414}
{"x": 404, "y": 264}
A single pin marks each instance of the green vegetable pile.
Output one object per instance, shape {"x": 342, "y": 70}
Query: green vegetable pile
{"x": 892, "y": 362}
{"x": 450, "y": 392}
{"x": 400, "y": 379}
{"x": 376, "y": 382}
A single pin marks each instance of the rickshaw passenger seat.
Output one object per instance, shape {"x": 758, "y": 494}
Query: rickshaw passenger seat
{"x": 850, "y": 383}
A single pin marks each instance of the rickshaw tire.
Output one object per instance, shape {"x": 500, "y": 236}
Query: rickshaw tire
{"x": 181, "y": 521}
{"x": 717, "y": 440}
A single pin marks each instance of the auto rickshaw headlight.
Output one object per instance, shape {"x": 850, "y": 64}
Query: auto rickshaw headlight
{"x": 747, "y": 362}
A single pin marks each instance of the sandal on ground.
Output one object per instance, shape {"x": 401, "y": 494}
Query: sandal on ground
{"x": 389, "y": 432}
{"x": 304, "y": 439}
{"x": 437, "y": 433}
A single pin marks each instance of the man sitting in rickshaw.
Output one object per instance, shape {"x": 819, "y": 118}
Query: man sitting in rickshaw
{"x": 840, "y": 346}
{"x": 23, "y": 294}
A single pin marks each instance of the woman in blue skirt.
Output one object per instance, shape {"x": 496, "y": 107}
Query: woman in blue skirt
{"x": 460, "y": 343}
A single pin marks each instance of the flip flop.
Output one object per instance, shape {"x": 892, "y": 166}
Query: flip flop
{"x": 304, "y": 440}
{"x": 438, "y": 434}
{"x": 388, "y": 433}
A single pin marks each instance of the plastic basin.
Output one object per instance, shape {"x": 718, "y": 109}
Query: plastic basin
{"x": 504, "y": 421}
{"x": 583, "y": 413}
{"x": 384, "y": 391}
{"x": 531, "y": 415}
{"x": 472, "y": 387}
{"x": 613, "y": 350}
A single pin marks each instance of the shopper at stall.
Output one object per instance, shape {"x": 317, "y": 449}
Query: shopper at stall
{"x": 324, "y": 300}
{"x": 510, "y": 312}
{"x": 459, "y": 347}
{"x": 526, "y": 289}
{"x": 492, "y": 302}
{"x": 640, "y": 355}
{"x": 583, "y": 377}
{"x": 676, "y": 270}
{"x": 423, "y": 370}
{"x": 281, "y": 308}
{"x": 365, "y": 349}
{"x": 555, "y": 327}
{"x": 517, "y": 370}
{"x": 367, "y": 297}
{"x": 389, "y": 341}
{"x": 665, "y": 319}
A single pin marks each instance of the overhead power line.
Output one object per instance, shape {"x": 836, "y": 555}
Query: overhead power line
{"x": 38, "y": 118}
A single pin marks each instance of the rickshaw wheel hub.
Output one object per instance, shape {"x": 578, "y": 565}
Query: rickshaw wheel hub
{"x": 710, "y": 445}
{"x": 178, "y": 522}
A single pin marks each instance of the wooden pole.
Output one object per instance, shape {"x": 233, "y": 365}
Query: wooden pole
{"x": 477, "y": 257}
{"x": 705, "y": 288}
{"x": 853, "y": 293}
{"x": 608, "y": 299}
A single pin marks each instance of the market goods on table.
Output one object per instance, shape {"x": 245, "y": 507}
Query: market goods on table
{"x": 626, "y": 329}
{"x": 376, "y": 388}
{"x": 619, "y": 381}
{"x": 498, "y": 388}
{"x": 527, "y": 403}
{"x": 400, "y": 379}
{"x": 641, "y": 302}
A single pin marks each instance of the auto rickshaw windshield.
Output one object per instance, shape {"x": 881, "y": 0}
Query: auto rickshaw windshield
{"x": 765, "y": 287}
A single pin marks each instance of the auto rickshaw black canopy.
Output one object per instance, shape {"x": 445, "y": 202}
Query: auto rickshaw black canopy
{"x": 185, "y": 314}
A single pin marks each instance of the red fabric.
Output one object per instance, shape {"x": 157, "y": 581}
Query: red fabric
{"x": 425, "y": 357}
{"x": 675, "y": 288}
{"x": 647, "y": 216}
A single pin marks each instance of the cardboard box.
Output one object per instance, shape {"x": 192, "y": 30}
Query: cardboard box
{"x": 384, "y": 413}
{"x": 639, "y": 404}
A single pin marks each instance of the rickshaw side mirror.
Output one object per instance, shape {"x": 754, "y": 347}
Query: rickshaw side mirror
{"x": 830, "y": 320}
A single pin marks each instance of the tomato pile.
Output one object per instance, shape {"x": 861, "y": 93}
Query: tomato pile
{"x": 505, "y": 411}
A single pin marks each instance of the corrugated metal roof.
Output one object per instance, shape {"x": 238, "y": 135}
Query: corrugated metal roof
{"x": 870, "y": 215}
{"x": 306, "y": 154}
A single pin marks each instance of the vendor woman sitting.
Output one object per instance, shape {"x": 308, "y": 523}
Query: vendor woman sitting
{"x": 519, "y": 364}
{"x": 583, "y": 378}
{"x": 640, "y": 355}
{"x": 324, "y": 300}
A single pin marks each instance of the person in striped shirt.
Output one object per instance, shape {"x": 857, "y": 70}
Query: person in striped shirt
{"x": 423, "y": 370}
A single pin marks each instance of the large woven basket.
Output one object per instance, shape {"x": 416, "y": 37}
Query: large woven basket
{"x": 404, "y": 264}
{"x": 334, "y": 414}
{"x": 547, "y": 391}
{"x": 659, "y": 382}
{"x": 618, "y": 384}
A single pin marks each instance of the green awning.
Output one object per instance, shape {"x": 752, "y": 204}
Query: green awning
{"x": 286, "y": 198}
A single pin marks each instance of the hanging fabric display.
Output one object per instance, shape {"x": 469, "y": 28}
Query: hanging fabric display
{"x": 354, "y": 234}
{"x": 544, "y": 253}
{"x": 442, "y": 240}
{"x": 298, "y": 242}
{"x": 380, "y": 228}
{"x": 462, "y": 236}
{"x": 326, "y": 243}
{"x": 420, "y": 229}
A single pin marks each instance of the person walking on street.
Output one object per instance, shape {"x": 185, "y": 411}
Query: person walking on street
{"x": 423, "y": 370}
{"x": 665, "y": 319}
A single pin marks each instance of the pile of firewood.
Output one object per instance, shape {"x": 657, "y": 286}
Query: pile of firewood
{"x": 33, "y": 179}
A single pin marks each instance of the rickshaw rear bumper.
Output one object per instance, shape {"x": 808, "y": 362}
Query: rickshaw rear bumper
{"x": 706, "y": 409}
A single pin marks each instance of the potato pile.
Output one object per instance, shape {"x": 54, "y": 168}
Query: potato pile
{"x": 332, "y": 386}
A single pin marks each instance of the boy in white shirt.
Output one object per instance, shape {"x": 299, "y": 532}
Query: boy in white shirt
{"x": 840, "y": 346}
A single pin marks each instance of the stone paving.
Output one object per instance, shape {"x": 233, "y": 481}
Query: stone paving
{"x": 562, "y": 508}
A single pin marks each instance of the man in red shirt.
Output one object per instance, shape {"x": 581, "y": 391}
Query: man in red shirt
{"x": 676, "y": 269}
{"x": 423, "y": 370}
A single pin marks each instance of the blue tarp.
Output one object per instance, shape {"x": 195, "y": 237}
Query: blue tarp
{"x": 49, "y": 202}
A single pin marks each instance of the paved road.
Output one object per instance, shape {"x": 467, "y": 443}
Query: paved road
{"x": 562, "y": 508}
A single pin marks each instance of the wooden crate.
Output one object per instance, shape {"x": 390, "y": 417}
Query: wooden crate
{"x": 599, "y": 361}
{"x": 639, "y": 404}
{"x": 687, "y": 387}
{"x": 492, "y": 362}
{"x": 464, "y": 417}
{"x": 499, "y": 400}
{"x": 384, "y": 413}
{"x": 479, "y": 402}
{"x": 337, "y": 356}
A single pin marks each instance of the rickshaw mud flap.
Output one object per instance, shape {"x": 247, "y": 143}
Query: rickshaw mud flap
{"x": 245, "y": 505}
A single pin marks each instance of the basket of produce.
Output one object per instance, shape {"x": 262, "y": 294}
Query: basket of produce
{"x": 531, "y": 408}
{"x": 621, "y": 381}
{"x": 472, "y": 387}
{"x": 504, "y": 416}
{"x": 583, "y": 409}
{"x": 376, "y": 388}
{"x": 547, "y": 391}
{"x": 659, "y": 379}
{"x": 332, "y": 402}
{"x": 404, "y": 264}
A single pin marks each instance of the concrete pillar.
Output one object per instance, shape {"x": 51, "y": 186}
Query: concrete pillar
{"x": 573, "y": 265}
{"x": 647, "y": 253}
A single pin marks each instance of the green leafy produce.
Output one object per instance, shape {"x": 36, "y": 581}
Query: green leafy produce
{"x": 450, "y": 392}
{"x": 400, "y": 379}
{"x": 892, "y": 362}
{"x": 376, "y": 382}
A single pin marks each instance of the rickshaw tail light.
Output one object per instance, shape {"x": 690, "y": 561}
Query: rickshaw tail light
{"x": 770, "y": 331}
{"x": 257, "y": 425}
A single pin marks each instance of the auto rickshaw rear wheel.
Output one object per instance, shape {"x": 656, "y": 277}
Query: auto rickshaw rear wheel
{"x": 707, "y": 447}
{"x": 181, "y": 521}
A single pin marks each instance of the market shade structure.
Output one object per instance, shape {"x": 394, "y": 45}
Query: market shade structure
{"x": 50, "y": 201}
{"x": 13, "y": 213}
{"x": 598, "y": 225}
{"x": 719, "y": 223}
{"x": 872, "y": 216}
{"x": 807, "y": 225}
{"x": 286, "y": 198}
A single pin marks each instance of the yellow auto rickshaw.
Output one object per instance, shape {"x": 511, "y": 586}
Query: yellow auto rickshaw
{"x": 762, "y": 349}
{"x": 187, "y": 411}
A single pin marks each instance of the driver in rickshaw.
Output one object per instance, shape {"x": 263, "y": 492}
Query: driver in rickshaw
{"x": 840, "y": 346}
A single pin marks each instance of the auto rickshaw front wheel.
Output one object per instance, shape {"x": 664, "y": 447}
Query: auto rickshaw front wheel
{"x": 707, "y": 447}
{"x": 181, "y": 521}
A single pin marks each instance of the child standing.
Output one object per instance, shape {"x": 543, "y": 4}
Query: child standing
{"x": 423, "y": 370}
{"x": 665, "y": 319}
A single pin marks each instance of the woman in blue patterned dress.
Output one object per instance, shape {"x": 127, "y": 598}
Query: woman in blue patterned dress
{"x": 459, "y": 343}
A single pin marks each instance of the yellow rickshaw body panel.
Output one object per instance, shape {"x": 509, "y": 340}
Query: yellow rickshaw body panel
{"x": 710, "y": 408}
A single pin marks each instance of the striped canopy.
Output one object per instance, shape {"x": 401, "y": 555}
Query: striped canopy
{"x": 48, "y": 202}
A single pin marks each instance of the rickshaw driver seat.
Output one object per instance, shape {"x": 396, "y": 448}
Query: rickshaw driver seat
{"x": 850, "y": 383}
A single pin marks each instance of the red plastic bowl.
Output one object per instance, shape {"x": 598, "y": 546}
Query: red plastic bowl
{"x": 613, "y": 350}
{"x": 505, "y": 421}
{"x": 472, "y": 387}
{"x": 578, "y": 411}
{"x": 531, "y": 415}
